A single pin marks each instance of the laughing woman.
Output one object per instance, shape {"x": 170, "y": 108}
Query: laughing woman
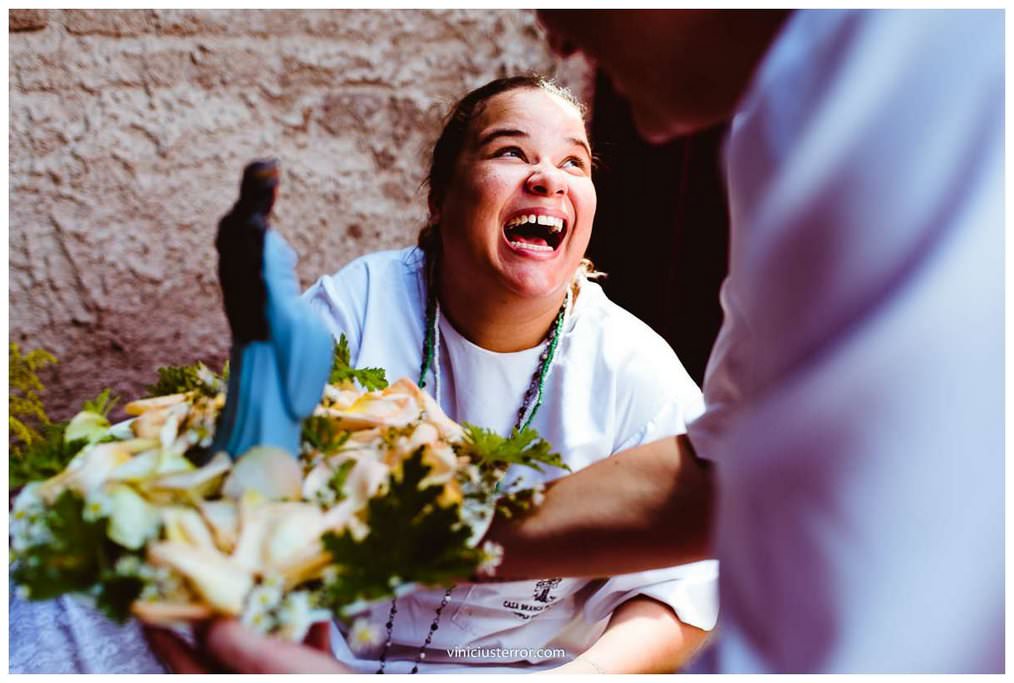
{"x": 495, "y": 315}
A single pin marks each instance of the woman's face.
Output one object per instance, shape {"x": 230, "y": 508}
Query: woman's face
{"x": 518, "y": 212}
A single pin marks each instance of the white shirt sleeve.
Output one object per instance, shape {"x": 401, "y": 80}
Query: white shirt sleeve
{"x": 340, "y": 300}
{"x": 691, "y": 590}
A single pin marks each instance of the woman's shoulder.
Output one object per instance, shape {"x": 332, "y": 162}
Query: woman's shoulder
{"x": 382, "y": 268}
{"x": 655, "y": 395}
{"x": 624, "y": 337}
{"x": 389, "y": 261}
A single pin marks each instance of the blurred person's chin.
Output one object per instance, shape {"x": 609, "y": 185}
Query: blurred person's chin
{"x": 653, "y": 129}
{"x": 657, "y": 127}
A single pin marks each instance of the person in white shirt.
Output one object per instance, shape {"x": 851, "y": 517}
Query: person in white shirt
{"x": 520, "y": 336}
{"x": 494, "y": 314}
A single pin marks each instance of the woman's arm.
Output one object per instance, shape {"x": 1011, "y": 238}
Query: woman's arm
{"x": 643, "y": 636}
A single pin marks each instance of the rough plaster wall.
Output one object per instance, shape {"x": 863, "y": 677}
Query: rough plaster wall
{"x": 128, "y": 132}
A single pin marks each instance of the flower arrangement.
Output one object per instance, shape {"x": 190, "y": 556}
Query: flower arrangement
{"x": 387, "y": 493}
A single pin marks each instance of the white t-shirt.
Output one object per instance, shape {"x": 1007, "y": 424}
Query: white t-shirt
{"x": 855, "y": 393}
{"x": 614, "y": 384}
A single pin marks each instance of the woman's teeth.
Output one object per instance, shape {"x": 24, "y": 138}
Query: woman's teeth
{"x": 531, "y": 247}
{"x": 535, "y": 232}
{"x": 555, "y": 224}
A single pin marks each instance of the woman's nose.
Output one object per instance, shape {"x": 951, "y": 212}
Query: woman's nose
{"x": 546, "y": 182}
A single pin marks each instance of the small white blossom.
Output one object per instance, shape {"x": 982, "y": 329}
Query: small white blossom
{"x": 266, "y": 596}
{"x": 128, "y": 565}
{"x": 274, "y": 581}
{"x": 296, "y": 616}
{"x": 326, "y": 496}
{"x": 492, "y": 557}
{"x": 98, "y": 504}
{"x": 363, "y": 635}
{"x": 262, "y": 622}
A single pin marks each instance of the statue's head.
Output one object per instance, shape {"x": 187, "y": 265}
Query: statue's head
{"x": 260, "y": 186}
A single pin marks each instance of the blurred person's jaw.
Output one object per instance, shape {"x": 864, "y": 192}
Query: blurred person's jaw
{"x": 526, "y": 156}
{"x": 681, "y": 70}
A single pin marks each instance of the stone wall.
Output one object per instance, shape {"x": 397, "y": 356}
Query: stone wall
{"x": 128, "y": 132}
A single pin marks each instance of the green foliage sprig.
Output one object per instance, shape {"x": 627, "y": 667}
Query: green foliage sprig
{"x": 411, "y": 537}
{"x": 25, "y": 411}
{"x": 342, "y": 371}
{"x": 180, "y": 379}
{"x": 44, "y": 458}
{"x": 76, "y": 557}
{"x": 524, "y": 447}
{"x": 320, "y": 433}
{"x": 102, "y": 404}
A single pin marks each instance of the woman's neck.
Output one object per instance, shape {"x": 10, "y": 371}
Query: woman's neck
{"x": 503, "y": 323}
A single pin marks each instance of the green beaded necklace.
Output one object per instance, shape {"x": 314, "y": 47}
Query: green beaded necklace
{"x": 536, "y": 389}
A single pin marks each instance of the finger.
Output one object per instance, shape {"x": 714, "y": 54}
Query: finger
{"x": 319, "y": 636}
{"x": 174, "y": 653}
{"x": 246, "y": 651}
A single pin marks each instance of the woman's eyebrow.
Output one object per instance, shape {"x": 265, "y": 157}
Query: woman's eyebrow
{"x": 501, "y": 133}
{"x": 517, "y": 133}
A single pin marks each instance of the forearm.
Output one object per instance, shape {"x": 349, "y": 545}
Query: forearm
{"x": 643, "y": 636}
{"x": 644, "y": 508}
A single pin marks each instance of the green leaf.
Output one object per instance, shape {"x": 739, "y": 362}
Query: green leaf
{"x": 102, "y": 404}
{"x": 524, "y": 447}
{"x": 116, "y": 594}
{"x": 44, "y": 458}
{"x": 342, "y": 371}
{"x": 411, "y": 537}
{"x": 337, "y": 481}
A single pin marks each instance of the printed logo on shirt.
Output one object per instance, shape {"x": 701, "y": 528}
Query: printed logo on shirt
{"x": 543, "y": 588}
{"x": 543, "y": 593}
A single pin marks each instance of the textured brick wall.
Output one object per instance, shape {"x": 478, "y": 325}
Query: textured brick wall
{"x": 128, "y": 131}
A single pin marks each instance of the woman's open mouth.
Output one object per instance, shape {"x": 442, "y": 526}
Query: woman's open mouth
{"x": 537, "y": 233}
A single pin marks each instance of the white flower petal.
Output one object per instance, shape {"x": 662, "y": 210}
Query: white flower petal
{"x": 132, "y": 520}
{"x": 220, "y": 581}
{"x": 88, "y": 470}
{"x": 272, "y": 472}
{"x": 145, "y": 405}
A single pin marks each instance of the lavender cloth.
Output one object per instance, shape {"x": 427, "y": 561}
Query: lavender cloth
{"x": 64, "y": 636}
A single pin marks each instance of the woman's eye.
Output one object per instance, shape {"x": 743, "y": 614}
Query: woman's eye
{"x": 510, "y": 152}
{"x": 574, "y": 162}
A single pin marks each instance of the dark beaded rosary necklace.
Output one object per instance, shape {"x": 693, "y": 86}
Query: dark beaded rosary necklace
{"x": 532, "y": 400}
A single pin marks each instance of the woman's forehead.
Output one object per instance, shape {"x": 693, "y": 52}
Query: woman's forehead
{"x": 531, "y": 110}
